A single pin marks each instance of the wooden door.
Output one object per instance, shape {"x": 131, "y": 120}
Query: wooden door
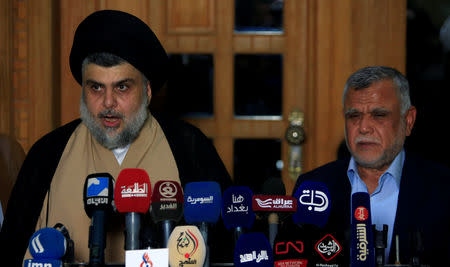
{"x": 321, "y": 43}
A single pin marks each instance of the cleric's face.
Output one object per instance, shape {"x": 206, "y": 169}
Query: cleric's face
{"x": 374, "y": 126}
{"x": 114, "y": 103}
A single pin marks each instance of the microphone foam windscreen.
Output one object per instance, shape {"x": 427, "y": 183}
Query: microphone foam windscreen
{"x": 202, "y": 202}
{"x": 186, "y": 247}
{"x": 253, "y": 249}
{"x": 273, "y": 186}
{"x": 293, "y": 246}
{"x": 313, "y": 204}
{"x": 362, "y": 249}
{"x": 167, "y": 201}
{"x": 98, "y": 192}
{"x": 237, "y": 207}
{"x": 133, "y": 191}
{"x": 47, "y": 243}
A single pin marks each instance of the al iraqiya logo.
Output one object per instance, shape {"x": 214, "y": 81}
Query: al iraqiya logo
{"x": 361, "y": 213}
{"x": 146, "y": 262}
{"x": 187, "y": 245}
{"x": 36, "y": 244}
{"x": 328, "y": 247}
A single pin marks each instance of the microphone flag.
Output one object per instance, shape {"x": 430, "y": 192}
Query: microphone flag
{"x": 313, "y": 204}
{"x": 186, "y": 247}
{"x": 132, "y": 192}
{"x": 47, "y": 243}
{"x": 202, "y": 202}
{"x": 253, "y": 249}
{"x": 362, "y": 249}
{"x": 237, "y": 207}
{"x": 167, "y": 201}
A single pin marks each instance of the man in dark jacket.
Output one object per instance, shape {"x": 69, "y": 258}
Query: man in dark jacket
{"x": 408, "y": 194}
{"x": 119, "y": 62}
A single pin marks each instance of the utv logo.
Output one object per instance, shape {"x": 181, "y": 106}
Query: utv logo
{"x": 36, "y": 244}
{"x": 328, "y": 247}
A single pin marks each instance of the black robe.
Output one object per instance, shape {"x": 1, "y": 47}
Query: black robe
{"x": 195, "y": 156}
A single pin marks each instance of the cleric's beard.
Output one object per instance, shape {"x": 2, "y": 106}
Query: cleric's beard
{"x": 106, "y": 136}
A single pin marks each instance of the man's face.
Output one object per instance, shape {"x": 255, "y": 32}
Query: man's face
{"x": 375, "y": 129}
{"x": 113, "y": 104}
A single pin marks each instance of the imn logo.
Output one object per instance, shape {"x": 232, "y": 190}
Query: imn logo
{"x": 38, "y": 264}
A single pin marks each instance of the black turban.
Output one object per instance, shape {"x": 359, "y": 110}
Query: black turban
{"x": 125, "y": 36}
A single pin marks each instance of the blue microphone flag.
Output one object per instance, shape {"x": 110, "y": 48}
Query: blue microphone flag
{"x": 362, "y": 249}
{"x": 47, "y": 243}
{"x": 253, "y": 249}
{"x": 237, "y": 207}
{"x": 313, "y": 204}
{"x": 202, "y": 202}
{"x": 42, "y": 262}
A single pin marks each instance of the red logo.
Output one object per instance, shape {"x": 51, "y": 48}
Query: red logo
{"x": 328, "y": 247}
{"x": 283, "y": 247}
{"x": 291, "y": 263}
{"x": 146, "y": 262}
{"x": 361, "y": 213}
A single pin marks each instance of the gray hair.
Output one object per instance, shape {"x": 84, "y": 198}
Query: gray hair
{"x": 107, "y": 60}
{"x": 365, "y": 77}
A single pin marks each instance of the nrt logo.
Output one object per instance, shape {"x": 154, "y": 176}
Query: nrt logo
{"x": 283, "y": 247}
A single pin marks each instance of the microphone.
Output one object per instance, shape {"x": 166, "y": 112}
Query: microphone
{"x": 47, "y": 246}
{"x": 186, "y": 247}
{"x": 132, "y": 197}
{"x": 47, "y": 243}
{"x": 236, "y": 209}
{"x": 322, "y": 245}
{"x": 313, "y": 204}
{"x": 272, "y": 205}
{"x": 253, "y": 249}
{"x": 362, "y": 249}
{"x": 167, "y": 206}
{"x": 380, "y": 244}
{"x": 292, "y": 247}
{"x": 97, "y": 198}
{"x": 202, "y": 203}
{"x": 273, "y": 202}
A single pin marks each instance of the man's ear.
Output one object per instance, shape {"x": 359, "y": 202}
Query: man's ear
{"x": 149, "y": 93}
{"x": 410, "y": 118}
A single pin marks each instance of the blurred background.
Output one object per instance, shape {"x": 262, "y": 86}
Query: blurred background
{"x": 239, "y": 68}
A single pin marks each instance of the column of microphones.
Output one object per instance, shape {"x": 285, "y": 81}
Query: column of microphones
{"x": 308, "y": 242}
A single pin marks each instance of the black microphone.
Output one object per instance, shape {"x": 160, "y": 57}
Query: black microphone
{"x": 417, "y": 248}
{"x": 380, "y": 244}
{"x": 97, "y": 197}
{"x": 273, "y": 186}
{"x": 167, "y": 206}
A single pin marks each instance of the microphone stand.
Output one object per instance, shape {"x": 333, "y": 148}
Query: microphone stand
{"x": 133, "y": 227}
{"x": 380, "y": 238}
{"x": 203, "y": 227}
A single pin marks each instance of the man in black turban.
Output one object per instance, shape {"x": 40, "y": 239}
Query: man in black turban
{"x": 119, "y": 63}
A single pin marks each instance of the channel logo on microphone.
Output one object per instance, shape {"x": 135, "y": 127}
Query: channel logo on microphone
{"x": 328, "y": 247}
{"x": 274, "y": 203}
{"x": 134, "y": 190}
{"x": 97, "y": 191}
{"x": 361, "y": 214}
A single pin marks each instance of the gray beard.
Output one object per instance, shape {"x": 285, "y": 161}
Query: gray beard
{"x": 131, "y": 130}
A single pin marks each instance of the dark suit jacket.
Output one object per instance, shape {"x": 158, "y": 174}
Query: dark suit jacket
{"x": 423, "y": 205}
